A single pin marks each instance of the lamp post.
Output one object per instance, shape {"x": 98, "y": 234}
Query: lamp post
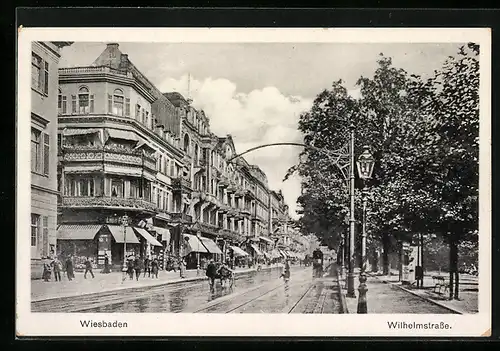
{"x": 124, "y": 221}
{"x": 352, "y": 220}
{"x": 365, "y": 168}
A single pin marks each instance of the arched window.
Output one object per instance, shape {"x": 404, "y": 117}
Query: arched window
{"x": 84, "y": 100}
{"x": 118, "y": 102}
{"x": 186, "y": 143}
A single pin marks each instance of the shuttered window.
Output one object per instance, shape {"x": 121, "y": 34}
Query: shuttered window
{"x": 46, "y": 153}
{"x": 64, "y": 105}
{"x": 45, "y": 235}
{"x": 92, "y": 103}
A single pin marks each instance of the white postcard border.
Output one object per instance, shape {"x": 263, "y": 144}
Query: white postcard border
{"x": 165, "y": 324}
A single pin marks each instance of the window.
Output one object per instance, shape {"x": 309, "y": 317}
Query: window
{"x": 118, "y": 101}
{"x": 148, "y": 122}
{"x": 73, "y": 103}
{"x": 143, "y": 118}
{"x": 59, "y": 102}
{"x": 35, "y": 228}
{"x": 45, "y": 235}
{"x": 134, "y": 189}
{"x": 36, "y": 64}
{"x": 83, "y": 100}
{"x": 172, "y": 169}
{"x": 35, "y": 150}
{"x": 40, "y": 152}
{"x": 86, "y": 187}
{"x": 39, "y": 74}
{"x": 117, "y": 188}
{"x": 127, "y": 107}
{"x": 138, "y": 112}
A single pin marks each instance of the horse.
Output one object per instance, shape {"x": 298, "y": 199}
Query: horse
{"x": 223, "y": 273}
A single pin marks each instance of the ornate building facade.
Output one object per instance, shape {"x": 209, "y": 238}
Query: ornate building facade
{"x": 125, "y": 148}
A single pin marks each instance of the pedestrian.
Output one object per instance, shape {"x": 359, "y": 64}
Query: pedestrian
{"x": 182, "y": 268}
{"x": 88, "y": 268}
{"x": 106, "y": 265}
{"x": 137, "y": 268}
{"x": 56, "y": 267}
{"x": 155, "y": 268}
{"x": 46, "y": 270}
{"x": 130, "y": 267}
{"x": 69, "y": 268}
{"x": 286, "y": 272}
{"x": 147, "y": 267}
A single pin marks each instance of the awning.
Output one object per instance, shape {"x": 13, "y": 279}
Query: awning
{"x": 121, "y": 134}
{"x": 77, "y": 231}
{"x": 193, "y": 244}
{"x": 256, "y": 249}
{"x": 238, "y": 252}
{"x": 282, "y": 253}
{"x": 210, "y": 246}
{"x": 275, "y": 254}
{"x": 83, "y": 131}
{"x": 117, "y": 232}
{"x": 164, "y": 232}
{"x": 269, "y": 241}
{"x": 148, "y": 237}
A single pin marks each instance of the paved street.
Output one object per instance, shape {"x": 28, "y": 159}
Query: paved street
{"x": 252, "y": 292}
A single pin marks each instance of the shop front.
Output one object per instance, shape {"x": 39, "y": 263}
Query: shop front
{"x": 193, "y": 251}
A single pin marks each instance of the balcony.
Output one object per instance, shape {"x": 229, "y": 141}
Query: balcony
{"x": 229, "y": 234}
{"x": 231, "y": 212}
{"x": 239, "y": 192}
{"x": 181, "y": 185}
{"x": 129, "y": 204}
{"x": 249, "y": 193}
{"x": 246, "y": 211}
{"x": 199, "y": 165}
{"x": 108, "y": 154}
{"x": 182, "y": 218}
{"x": 209, "y": 228}
{"x": 224, "y": 208}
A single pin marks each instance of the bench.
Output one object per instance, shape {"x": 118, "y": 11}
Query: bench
{"x": 439, "y": 284}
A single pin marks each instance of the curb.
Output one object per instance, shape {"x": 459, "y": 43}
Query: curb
{"x": 343, "y": 303}
{"x": 178, "y": 281}
{"x": 422, "y": 297}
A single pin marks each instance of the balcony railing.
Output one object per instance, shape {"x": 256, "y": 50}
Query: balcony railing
{"x": 109, "y": 154}
{"x": 181, "y": 184}
{"x": 93, "y": 70}
{"x": 131, "y": 204}
{"x": 209, "y": 228}
{"x": 182, "y": 217}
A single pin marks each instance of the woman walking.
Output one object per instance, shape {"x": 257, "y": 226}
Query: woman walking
{"x": 137, "y": 268}
{"x": 69, "y": 268}
{"x": 183, "y": 268}
{"x": 154, "y": 268}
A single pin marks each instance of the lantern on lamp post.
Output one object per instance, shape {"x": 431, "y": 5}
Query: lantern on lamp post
{"x": 365, "y": 163}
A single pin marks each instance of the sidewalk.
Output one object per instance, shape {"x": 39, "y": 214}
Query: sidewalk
{"x": 386, "y": 295}
{"x": 468, "y": 293}
{"x": 41, "y": 290}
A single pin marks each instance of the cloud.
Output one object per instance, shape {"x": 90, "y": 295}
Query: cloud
{"x": 261, "y": 116}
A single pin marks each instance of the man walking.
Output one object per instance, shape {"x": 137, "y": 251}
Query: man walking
{"x": 147, "y": 267}
{"x": 69, "y": 268}
{"x": 88, "y": 268}
{"x": 154, "y": 268}
{"x": 56, "y": 267}
{"x": 137, "y": 268}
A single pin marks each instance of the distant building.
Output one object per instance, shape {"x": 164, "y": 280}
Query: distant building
{"x": 44, "y": 101}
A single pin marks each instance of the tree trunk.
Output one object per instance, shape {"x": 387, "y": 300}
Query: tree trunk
{"x": 452, "y": 265}
{"x": 385, "y": 258}
{"x": 401, "y": 260}
{"x": 375, "y": 260}
{"x": 455, "y": 267}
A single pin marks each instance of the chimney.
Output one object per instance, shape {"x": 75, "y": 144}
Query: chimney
{"x": 123, "y": 61}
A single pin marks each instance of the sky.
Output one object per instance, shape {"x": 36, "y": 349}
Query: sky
{"x": 257, "y": 91}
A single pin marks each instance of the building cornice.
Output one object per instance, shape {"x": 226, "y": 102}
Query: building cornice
{"x": 47, "y": 190}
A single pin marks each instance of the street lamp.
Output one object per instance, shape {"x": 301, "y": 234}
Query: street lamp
{"x": 124, "y": 221}
{"x": 365, "y": 164}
